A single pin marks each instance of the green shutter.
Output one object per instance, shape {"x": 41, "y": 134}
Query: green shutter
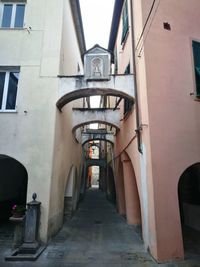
{"x": 196, "y": 54}
{"x": 124, "y": 22}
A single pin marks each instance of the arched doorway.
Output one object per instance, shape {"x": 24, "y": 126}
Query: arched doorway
{"x": 189, "y": 203}
{"x": 132, "y": 200}
{"x": 13, "y": 185}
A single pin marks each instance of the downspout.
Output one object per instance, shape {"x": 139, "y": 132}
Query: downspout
{"x": 137, "y": 111}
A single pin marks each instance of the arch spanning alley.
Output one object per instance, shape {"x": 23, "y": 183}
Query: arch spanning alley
{"x": 82, "y": 117}
{"x": 72, "y": 88}
{"x": 91, "y": 137}
{"x": 85, "y": 123}
{"x": 95, "y": 162}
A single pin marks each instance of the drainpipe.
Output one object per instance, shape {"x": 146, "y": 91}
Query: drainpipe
{"x": 138, "y": 130}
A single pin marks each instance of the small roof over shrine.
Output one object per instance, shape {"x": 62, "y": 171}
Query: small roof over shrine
{"x": 97, "y": 63}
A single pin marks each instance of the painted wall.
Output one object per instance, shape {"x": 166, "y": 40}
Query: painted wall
{"x": 126, "y": 139}
{"x": 70, "y": 56}
{"x": 173, "y": 113}
{"x": 29, "y": 134}
{"x": 67, "y": 151}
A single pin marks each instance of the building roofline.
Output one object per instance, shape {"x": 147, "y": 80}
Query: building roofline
{"x": 76, "y": 12}
{"x": 115, "y": 24}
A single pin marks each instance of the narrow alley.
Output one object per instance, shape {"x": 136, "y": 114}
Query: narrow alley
{"x": 95, "y": 236}
{"x": 100, "y": 158}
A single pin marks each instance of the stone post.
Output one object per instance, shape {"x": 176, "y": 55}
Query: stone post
{"x": 31, "y": 225}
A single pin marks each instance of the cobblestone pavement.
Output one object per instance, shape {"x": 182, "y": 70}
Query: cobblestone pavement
{"x": 95, "y": 237}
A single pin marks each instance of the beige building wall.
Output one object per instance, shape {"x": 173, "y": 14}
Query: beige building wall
{"x": 33, "y": 134}
{"x": 70, "y": 56}
{"x": 67, "y": 152}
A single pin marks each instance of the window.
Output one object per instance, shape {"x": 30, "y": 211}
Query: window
{"x": 196, "y": 54}
{"x": 124, "y": 22}
{"x": 13, "y": 15}
{"x": 8, "y": 89}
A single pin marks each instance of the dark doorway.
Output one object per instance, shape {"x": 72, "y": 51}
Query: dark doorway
{"x": 13, "y": 185}
{"x": 111, "y": 192}
{"x": 189, "y": 203}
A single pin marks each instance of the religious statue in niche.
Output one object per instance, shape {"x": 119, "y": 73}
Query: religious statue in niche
{"x": 97, "y": 67}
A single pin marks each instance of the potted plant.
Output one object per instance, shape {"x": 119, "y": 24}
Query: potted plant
{"x": 18, "y": 210}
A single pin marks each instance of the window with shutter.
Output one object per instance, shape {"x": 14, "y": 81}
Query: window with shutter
{"x": 196, "y": 55}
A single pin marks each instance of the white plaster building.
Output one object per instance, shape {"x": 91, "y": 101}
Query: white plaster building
{"x": 39, "y": 40}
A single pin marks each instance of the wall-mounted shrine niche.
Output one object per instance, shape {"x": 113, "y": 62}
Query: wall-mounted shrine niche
{"x": 97, "y": 63}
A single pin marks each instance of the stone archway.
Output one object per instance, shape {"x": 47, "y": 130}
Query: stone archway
{"x": 86, "y": 138}
{"x": 82, "y": 117}
{"x": 76, "y": 87}
{"x": 13, "y": 185}
{"x": 189, "y": 204}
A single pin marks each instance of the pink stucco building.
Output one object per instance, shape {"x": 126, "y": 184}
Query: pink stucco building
{"x": 157, "y": 148}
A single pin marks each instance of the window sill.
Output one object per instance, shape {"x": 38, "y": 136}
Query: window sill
{"x": 12, "y": 29}
{"x": 8, "y": 111}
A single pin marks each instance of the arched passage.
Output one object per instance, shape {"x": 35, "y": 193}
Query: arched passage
{"x": 189, "y": 203}
{"x": 77, "y": 87}
{"x": 13, "y": 185}
{"x": 98, "y": 138}
{"x": 85, "y": 123}
{"x": 81, "y": 93}
{"x": 132, "y": 201}
{"x": 86, "y": 116}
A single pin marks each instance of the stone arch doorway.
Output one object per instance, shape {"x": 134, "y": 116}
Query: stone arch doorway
{"x": 189, "y": 204}
{"x": 132, "y": 200}
{"x": 13, "y": 185}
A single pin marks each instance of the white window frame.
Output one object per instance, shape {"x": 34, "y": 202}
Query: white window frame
{"x": 5, "y": 91}
{"x": 14, "y": 8}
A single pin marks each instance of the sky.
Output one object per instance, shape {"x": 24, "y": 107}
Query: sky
{"x": 97, "y": 18}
